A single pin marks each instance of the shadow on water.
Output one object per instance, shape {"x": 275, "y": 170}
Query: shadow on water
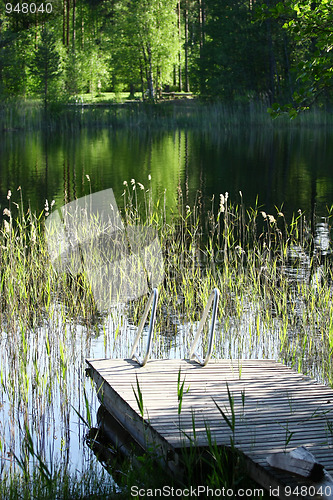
{"x": 110, "y": 442}
{"x": 122, "y": 457}
{"x": 287, "y": 168}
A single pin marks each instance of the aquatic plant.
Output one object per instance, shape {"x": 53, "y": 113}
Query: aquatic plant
{"x": 275, "y": 279}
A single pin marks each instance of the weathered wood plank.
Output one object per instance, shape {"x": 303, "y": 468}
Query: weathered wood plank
{"x": 270, "y": 402}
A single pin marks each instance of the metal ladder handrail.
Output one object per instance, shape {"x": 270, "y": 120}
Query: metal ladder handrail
{"x": 214, "y": 296}
{"x": 152, "y": 302}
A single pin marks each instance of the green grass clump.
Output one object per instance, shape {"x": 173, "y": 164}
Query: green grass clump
{"x": 276, "y": 302}
{"x": 274, "y": 277}
{"x": 94, "y": 484}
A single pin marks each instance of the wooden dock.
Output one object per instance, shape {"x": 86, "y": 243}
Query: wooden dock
{"x": 276, "y": 409}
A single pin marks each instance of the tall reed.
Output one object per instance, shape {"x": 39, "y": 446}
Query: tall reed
{"x": 276, "y": 302}
{"x": 29, "y": 115}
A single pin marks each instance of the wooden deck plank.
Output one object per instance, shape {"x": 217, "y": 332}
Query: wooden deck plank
{"x": 277, "y": 402}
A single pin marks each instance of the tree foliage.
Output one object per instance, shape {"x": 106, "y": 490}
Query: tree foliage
{"x": 309, "y": 24}
{"x": 146, "y": 30}
{"x": 280, "y": 51}
{"x": 234, "y": 58}
{"x": 45, "y": 66}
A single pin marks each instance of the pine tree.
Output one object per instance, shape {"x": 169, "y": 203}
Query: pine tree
{"x": 46, "y": 66}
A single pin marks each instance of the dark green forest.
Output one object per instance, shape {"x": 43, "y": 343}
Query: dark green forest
{"x": 231, "y": 50}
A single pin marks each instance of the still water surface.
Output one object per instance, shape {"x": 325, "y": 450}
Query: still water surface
{"x": 290, "y": 169}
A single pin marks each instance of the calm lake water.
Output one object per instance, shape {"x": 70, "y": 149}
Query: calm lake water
{"x": 288, "y": 169}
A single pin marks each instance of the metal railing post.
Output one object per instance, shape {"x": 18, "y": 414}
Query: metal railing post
{"x": 214, "y": 296}
{"x": 152, "y": 302}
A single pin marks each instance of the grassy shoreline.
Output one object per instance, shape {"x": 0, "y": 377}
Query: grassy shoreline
{"x": 25, "y": 115}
